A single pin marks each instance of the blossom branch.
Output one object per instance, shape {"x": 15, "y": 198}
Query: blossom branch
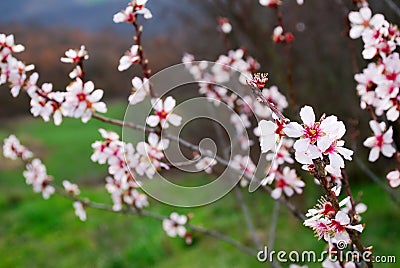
{"x": 319, "y": 162}
{"x": 196, "y": 148}
{"x": 270, "y": 105}
{"x": 142, "y": 61}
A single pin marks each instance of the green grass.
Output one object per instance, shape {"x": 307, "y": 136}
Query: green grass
{"x": 45, "y": 233}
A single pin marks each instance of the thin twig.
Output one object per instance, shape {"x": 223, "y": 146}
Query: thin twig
{"x": 142, "y": 61}
{"x": 267, "y": 103}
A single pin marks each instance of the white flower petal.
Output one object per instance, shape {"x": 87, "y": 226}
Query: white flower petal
{"x": 307, "y": 115}
{"x": 293, "y": 130}
{"x": 153, "y": 120}
{"x": 276, "y": 193}
{"x": 174, "y": 119}
{"x": 342, "y": 217}
{"x": 388, "y": 150}
{"x": 373, "y": 154}
{"x": 301, "y": 145}
{"x": 169, "y": 104}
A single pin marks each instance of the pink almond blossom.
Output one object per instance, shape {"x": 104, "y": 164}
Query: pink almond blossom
{"x": 163, "y": 113}
{"x": 131, "y": 57}
{"x": 381, "y": 142}
{"x": 394, "y": 178}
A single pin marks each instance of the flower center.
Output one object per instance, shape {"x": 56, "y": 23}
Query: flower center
{"x": 138, "y": 7}
{"x": 130, "y": 17}
{"x": 312, "y": 132}
{"x": 328, "y": 209}
{"x": 336, "y": 226}
{"x": 391, "y": 76}
{"x": 279, "y": 128}
{"x": 379, "y": 141}
{"x": 280, "y": 183}
{"x": 162, "y": 114}
{"x": 81, "y": 96}
{"x": 331, "y": 148}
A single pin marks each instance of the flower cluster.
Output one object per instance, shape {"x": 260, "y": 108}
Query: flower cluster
{"x": 150, "y": 155}
{"x": 130, "y": 13}
{"x": 329, "y": 224}
{"x": 125, "y": 193}
{"x": 379, "y": 83}
{"x": 245, "y": 165}
{"x": 124, "y": 161}
{"x": 246, "y": 106}
{"x": 35, "y": 173}
{"x": 71, "y": 188}
{"x": 80, "y": 211}
{"x": 270, "y": 3}
{"x": 174, "y": 226}
{"x": 379, "y": 36}
{"x": 12, "y": 70}
{"x": 13, "y": 149}
{"x": 286, "y": 182}
{"x": 279, "y": 36}
{"x": 75, "y": 56}
{"x": 80, "y": 100}
{"x": 223, "y": 70}
{"x": 319, "y": 139}
{"x": 394, "y": 178}
{"x": 131, "y": 57}
{"x": 140, "y": 90}
{"x": 378, "y": 86}
{"x": 206, "y": 164}
{"x": 381, "y": 142}
{"x": 224, "y": 25}
{"x": 163, "y": 115}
